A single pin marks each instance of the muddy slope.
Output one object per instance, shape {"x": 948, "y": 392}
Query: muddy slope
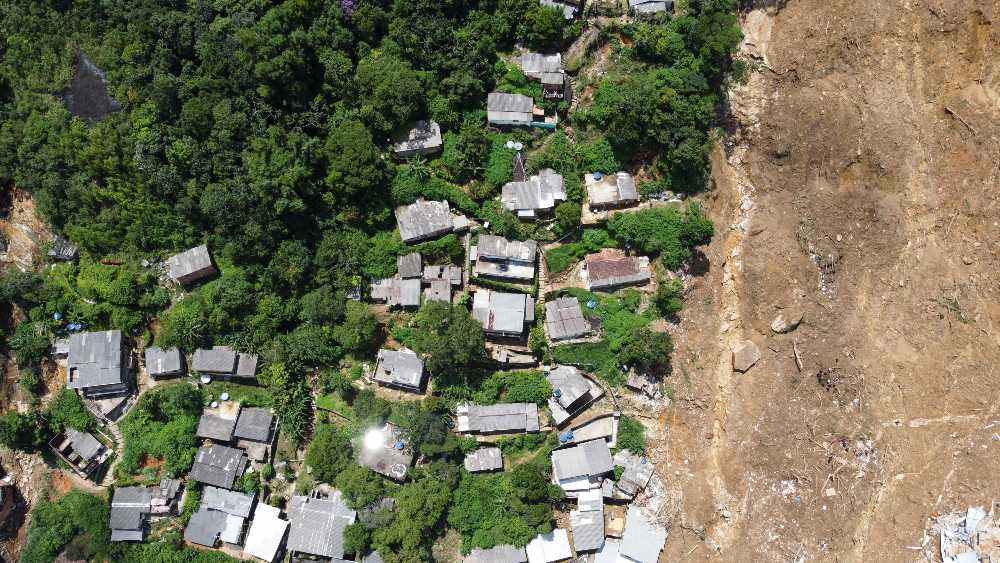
{"x": 860, "y": 187}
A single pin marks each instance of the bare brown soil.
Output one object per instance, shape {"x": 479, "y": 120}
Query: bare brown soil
{"x": 860, "y": 183}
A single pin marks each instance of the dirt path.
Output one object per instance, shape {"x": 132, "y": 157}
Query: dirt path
{"x": 859, "y": 183}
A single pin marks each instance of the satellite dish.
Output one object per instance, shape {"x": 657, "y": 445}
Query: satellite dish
{"x": 510, "y": 144}
{"x": 206, "y": 379}
{"x": 398, "y": 470}
{"x": 215, "y": 404}
{"x": 224, "y": 396}
{"x": 518, "y": 146}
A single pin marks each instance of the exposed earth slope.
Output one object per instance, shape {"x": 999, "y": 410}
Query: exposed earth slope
{"x": 860, "y": 187}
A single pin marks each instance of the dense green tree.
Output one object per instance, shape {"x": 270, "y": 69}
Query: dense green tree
{"x": 24, "y": 432}
{"x": 446, "y": 336}
{"x": 329, "y": 453}
{"x": 360, "y": 485}
{"x": 669, "y": 297}
{"x": 77, "y": 522}
{"x": 646, "y": 349}
{"x": 357, "y": 332}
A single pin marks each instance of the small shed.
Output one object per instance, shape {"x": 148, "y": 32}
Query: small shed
{"x": 410, "y": 265}
{"x": 163, "y": 362}
{"x": 484, "y": 459}
{"x": 62, "y": 249}
{"x": 191, "y": 265}
{"x": 422, "y": 139}
{"x": 564, "y": 319}
{"x": 509, "y": 109}
{"x": 399, "y": 368}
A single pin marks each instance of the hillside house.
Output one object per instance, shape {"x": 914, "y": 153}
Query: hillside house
{"x": 636, "y": 473}
{"x": 503, "y": 314}
{"x": 317, "y": 526}
{"x": 98, "y": 364}
{"x": 133, "y": 507}
{"x": 547, "y": 69}
{"x": 643, "y": 539}
{"x": 549, "y": 548}
{"x": 385, "y": 452}
{"x": 218, "y": 466}
{"x": 497, "y": 257}
{"x": 62, "y": 249}
{"x": 572, "y": 393}
{"x": 498, "y": 554}
{"x": 484, "y": 459}
{"x": 266, "y": 536}
{"x": 225, "y": 362}
{"x": 587, "y": 522}
{"x": 512, "y": 110}
{"x": 81, "y": 450}
{"x": 221, "y": 516}
{"x": 255, "y": 432}
{"x": 191, "y": 265}
{"x": 650, "y": 7}
{"x": 535, "y": 196}
{"x": 163, "y": 362}
{"x": 423, "y": 139}
{"x": 216, "y": 427}
{"x": 609, "y": 191}
{"x": 581, "y": 467}
{"x": 440, "y": 280}
{"x": 402, "y": 369}
{"x": 410, "y": 265}
{"x": 611, "y": 269}
{"x": 564, "y": 319}
{"x": 501, "y": 418}
{"x": 570, "y": 8}
{"x": 396, "y": 292}
{"x": 423, "y": 220}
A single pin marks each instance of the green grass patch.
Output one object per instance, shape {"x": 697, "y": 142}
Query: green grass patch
{"x": 247, "y": 395}
{"x": 560, "y": 258}
{"x": 631, "y": 435}
{"x": 333, "y": 402}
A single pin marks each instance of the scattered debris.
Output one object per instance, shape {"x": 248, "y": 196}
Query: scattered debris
{"x": 968, "y": 536}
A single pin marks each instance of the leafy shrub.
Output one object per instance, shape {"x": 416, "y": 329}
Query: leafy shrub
{"x": 67, "y": 411}
{"x": 162, "y": 425}
{"x": 669, "y": 298}
{"x": 560, "y": 258}
{"x": 631, "y": 435}
{"x": 667, "y": 232}
{"x": 78, "y": 520}
{"x": 524, "y": 386}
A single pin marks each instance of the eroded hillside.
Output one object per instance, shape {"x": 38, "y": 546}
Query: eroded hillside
{"x": 860, "y": 187}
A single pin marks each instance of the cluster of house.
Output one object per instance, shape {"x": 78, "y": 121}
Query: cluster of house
{"x": 603, "y": 528}
{"x": 573, "y": 8}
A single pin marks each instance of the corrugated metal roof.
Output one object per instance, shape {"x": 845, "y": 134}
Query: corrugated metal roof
{"x": 571, "y": 384}
{"x": 503, "y": 313}
{"x": 608, "y": 553}
{"x": 95, "y": 359}
{"x": 424, "y": 136}
{"x": 498, "y": 554}
{"x": 267, "y": 532}
{"x": 546, "y": 548}
{"x": 254, "y": 424}
{"x": 492, "y": 247}
{"x": 84, "y": 443}
{"x": 643, "y": 540}
{"x": 611, "y": 268}
{"x": 538, "y": 193}
{"x": 410, "y": 265}
{"x": 438, "y": 290}
{"x": 163, "y": 361}
{"x": 504, "y": 102}
{"x": 218, "y": 465}
{"x": 317, "y": 525}
{"x": 589, "y": 459}
{"x": 192, "y": 263}
{"x": 564, "y": 319}
{"x": 215, "y": 427}
{"x": 650, "y": 6}
{"x": 587, "y": 521}
{"x": 230, "y": 502}
{"x": 399, "y": 367}
{"x": 502, "y": 417}
{"x": 246, "y": 365}
{"x": 537, "y": 63}
{"x": 217, "y": 359}
{"x": 424, "y": 219}
{"x": 484, "y": 459}
{"x": 205, "y": 527}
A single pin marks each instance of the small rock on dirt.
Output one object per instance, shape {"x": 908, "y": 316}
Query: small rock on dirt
{"x": 745, "y": 355}
{"x": 786, "y": 321}
{"x": 967, "y": 260}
